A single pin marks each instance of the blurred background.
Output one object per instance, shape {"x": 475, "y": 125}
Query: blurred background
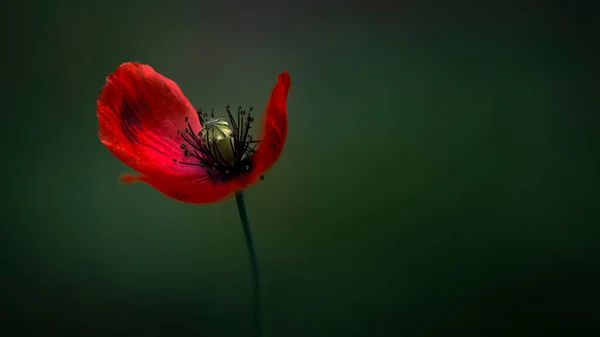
{"x": 440, "y": 177}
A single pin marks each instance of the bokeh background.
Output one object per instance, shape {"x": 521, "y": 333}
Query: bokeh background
{"x": 440, "y": 177}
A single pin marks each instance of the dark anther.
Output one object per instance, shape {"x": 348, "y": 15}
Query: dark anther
{"x": 200, "y": 117}
{"x": 262, "y": 177}
{"x": 186, "y": 119}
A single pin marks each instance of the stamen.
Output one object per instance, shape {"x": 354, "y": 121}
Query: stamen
{"x": 191, "y": 142}
{"x": 239, "y": 148}
{"x": 200, "y": 118}
{"x": 204, "y": 179}
{"x": 235, "y": 134}
{"x": 248, "y": 126}
{"x": 191, "y": 132}
{"x": 233, "y": 124}
{"x": 184, "y": 163}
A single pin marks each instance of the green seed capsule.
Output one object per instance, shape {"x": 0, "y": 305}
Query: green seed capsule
{"x": 218, "y": 139}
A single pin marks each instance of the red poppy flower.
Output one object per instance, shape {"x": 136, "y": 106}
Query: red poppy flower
{"x": 147, "y": 122}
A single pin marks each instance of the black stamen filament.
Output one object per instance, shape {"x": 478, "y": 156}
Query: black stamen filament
{"x": 204, "y": 145}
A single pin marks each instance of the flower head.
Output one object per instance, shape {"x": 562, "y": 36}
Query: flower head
{"x": 187, "y": 154}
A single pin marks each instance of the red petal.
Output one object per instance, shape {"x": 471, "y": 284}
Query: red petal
{"x": 274, "y": 130}
{"x": 193, "y": 192}
{"x": 139, "y": 113}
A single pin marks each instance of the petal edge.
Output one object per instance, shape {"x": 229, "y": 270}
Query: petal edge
{"x": 193, "y": 192}
{"x": 275, "y": 127}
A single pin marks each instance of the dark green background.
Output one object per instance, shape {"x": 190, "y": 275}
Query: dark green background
{"x": 440, "y": 175}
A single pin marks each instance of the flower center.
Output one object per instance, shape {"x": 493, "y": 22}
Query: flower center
{"x": 221, "y": 147}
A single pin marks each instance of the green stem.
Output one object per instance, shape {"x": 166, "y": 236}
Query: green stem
{"x": 243, "y": 210}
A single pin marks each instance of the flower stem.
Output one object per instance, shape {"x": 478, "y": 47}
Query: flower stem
{"x": 243, "y": 210}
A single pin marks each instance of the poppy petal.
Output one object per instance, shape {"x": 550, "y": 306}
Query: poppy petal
{"x": 199, "y": 192}
{"x": 139, "y": 113}
{"x": 274, "y": 131}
